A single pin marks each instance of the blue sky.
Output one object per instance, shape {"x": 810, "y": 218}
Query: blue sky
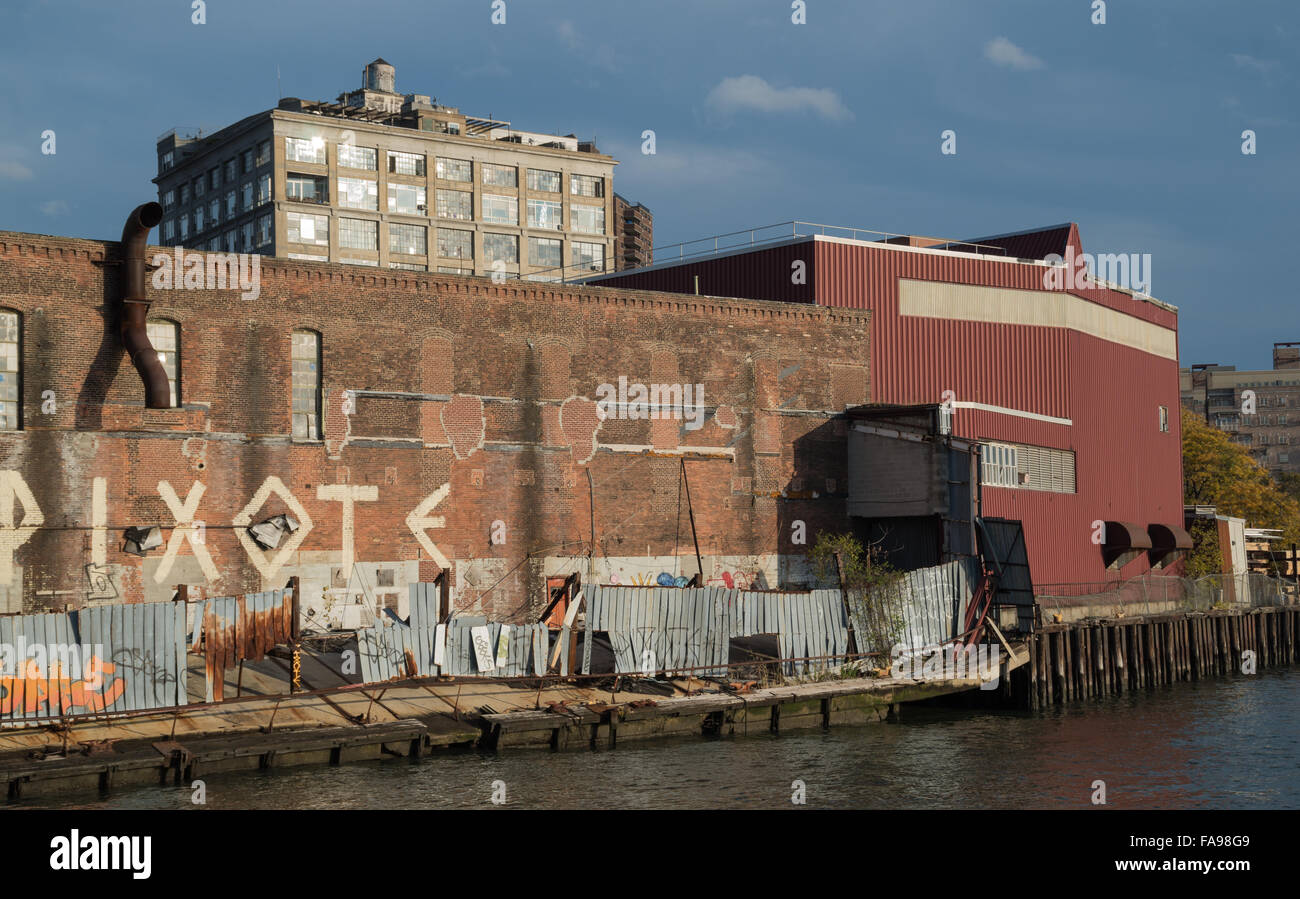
{"x": 1131, "y": 128}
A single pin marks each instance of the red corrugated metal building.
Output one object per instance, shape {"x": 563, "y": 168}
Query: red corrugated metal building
{"x": 1091, "y": 370}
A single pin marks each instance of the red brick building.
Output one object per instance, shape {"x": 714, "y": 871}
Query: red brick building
{"x": 457, "y": 425}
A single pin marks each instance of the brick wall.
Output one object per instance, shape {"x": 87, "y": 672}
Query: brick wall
{"x": 481, "y": 442}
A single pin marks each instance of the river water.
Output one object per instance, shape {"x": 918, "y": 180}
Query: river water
{"x": 1229, "y": 743}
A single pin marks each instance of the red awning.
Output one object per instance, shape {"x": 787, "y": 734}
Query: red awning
{"x": 1124, "y": 535}
{"x": 1168, "y": 537}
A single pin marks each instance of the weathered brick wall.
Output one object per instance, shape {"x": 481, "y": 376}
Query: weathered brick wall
{"x": 487, "y": 416}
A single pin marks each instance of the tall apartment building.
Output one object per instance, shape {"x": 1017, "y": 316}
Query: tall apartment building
{"x": 1271, "y": 430}
{"x": 383, "y": 179}
{"x": 634, "y": 234}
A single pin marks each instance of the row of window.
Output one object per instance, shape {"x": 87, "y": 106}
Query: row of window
{"x": 452, "y": 243}
{"x": 165, "y": 335}
{"x": 1027, "y": 467}
{"x": 228, "y": 172}
{"x": 247, "y": 238}
{"x": 312, "y": 150}
{"x": 211, "y": 214}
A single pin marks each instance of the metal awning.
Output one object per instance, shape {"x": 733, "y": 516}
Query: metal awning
{"x": 1125, "y": 535}
{"x": 1167, "y": 537}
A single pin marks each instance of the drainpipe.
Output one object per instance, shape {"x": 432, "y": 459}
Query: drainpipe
{"x": 135, "y": 306}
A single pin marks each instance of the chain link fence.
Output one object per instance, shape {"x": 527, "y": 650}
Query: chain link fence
{"x": 1152, "y": 594}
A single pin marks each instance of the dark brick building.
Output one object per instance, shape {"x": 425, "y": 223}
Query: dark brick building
{"x": 457, "y": 425}
{"x": 634, "y": 232}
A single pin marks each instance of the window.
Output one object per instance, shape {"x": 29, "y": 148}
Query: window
{"x": 1027, "y": 467}
{"x": 185, "y": 228}
{"x": 500, "y": 210}
{"x": 1164, "y": 419}
{"x": 185, "y": 194}
{"x": 166, "y": 161}
{"x": 165, "y": 335}
{"x": 409, "y": 266}
{"x": 374, "y": 263}
{"x": 351, "y": 157}
{"x": 545, "y": 214}
{"x": 264, "y": 230}
{"x": 297, "y": 149}
{"x": 169, "y": 230}
{"x": 541, "y": 179}
{"x": 306, "y": 385}
{"x": 214, "y": 177}
{"x": 304, "y": 228}
{"x": 231, "y": 207}
{"x": 455, "y": 169}
{"x": 248, "y": 161}
{"x": 546, "y": 251}
{"x": 10, "y": 371}
{"x": 232, "y": 238}
{"x": 455, "y": 244}
{"x": 501, "y": 247}
{"x": 589, "y": 256}
{"x": 455, "y": 204}
{"x": 198, "y": 220}
{"x": 358, "y": 193}
{"x": 450, "y": 270}
{"x": 246, "y": 232}
{"x": 248, "y": 195}
{"x": 358, "y": 234}
{"x": 200, "y": 185}
{"x": 500, "y": 175}
{"x": 264, "y": 152}
{"x": 214, "y": 213}
{"x": 587, "y": 219}
{"x": 306, "y": 189}
{"x": 409, "y": 239}
{"x": 998, "y": 466}
{"x": 309, "y": 257}
{"x": 169, "y": 199}
{"x": 232, "y": 169}
{"x": 407, "y": 198}
{"x": 586, "y": 186}
{"x": 405, "y": 163}
{"x": 264, "y": 189}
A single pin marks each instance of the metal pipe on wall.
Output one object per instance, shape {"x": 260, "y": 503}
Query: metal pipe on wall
{"x": 135, "y": 305}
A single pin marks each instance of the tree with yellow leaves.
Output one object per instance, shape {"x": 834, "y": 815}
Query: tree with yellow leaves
{"x": 1219, "y": 472}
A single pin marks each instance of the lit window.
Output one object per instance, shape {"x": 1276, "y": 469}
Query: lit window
{"x": 546, "y": 251}
{"x": 306, "y": 385}
{"x": 407, "y": 198}
{"x": 455, "y": 169}
{"x": 500, "y": 210}
{"x": 165, "y": 337}
{"x": 587, "y": 219}
{"x": 297, "y": 149}
{"x": 351, "y": 157}
{"x": 500, "y": 175}
{"x": 358, "y": 234}
{"x": 304, "y": 228}
{"x": 358, "y": 193}
{"x": 501, "y": 248}
{"x": 586, "y": 186}
{"x": 454, "y": 244}
{"x": 455, "y": 204}
{"x": 264, "y": 189}
{"x": 541, "y": 179}
{"x": 405, "y": 163}
{"x": 409, "y": 239}
{"x": 545, "y": 214}
{"x": 589, "y": 256}
{"x": 10, "y": 371}
{"x": 1164, "y": 418}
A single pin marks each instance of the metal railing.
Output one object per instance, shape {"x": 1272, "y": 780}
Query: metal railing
{"x": 1151, "y": 594}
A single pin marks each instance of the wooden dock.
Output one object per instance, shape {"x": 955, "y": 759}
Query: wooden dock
{"x": 1110, "y": 656}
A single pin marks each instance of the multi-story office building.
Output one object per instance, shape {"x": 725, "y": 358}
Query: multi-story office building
{"x": 384, "y": 179}
{"x": 634, "y": 234}
{"x": 1260, "y": 409}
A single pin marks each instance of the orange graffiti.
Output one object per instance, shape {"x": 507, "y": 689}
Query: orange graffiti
{"x": 59, "y": 691}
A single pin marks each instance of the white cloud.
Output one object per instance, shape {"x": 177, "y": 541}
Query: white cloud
{"x": 1004, "y": 53}
{"x": 750, "y": 92}
{"x": 54, "y": 207}
{"x": 1263, "y": 67}
{"x": 688, "y": 165}
{"x": 14, "y": 171}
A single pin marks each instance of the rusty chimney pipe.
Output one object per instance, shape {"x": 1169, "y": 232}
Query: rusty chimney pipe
{"x": 135, "y": 305}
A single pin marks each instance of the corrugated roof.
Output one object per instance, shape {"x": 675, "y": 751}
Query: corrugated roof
{"x": 1036, "y": 244}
